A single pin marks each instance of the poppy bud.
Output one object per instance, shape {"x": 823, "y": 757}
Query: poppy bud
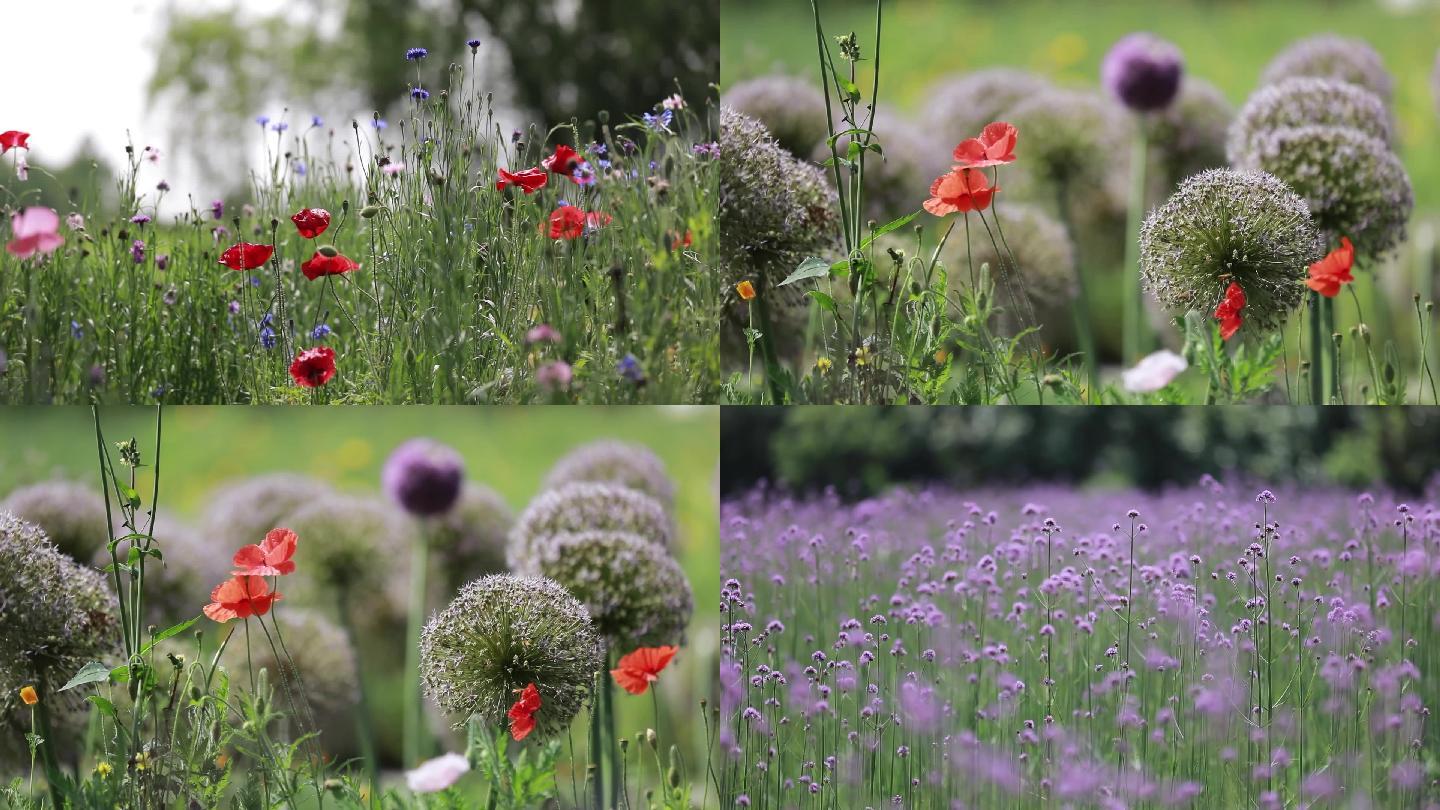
{"x": 369, "y": 211}
{"x": 650, "y": 737}
{"x": 328, "y": 251}
{"x": 603, "y": 116}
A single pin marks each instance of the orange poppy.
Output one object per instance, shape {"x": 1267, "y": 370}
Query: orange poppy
{"x": 745, "y": 289}
{"x": 522, "y": 714}
{"x": 270, "y": 557}
{"x": 29, "y": 696}
{"x": 1228, "y": 312}
{"x": 995, "y": 146}
{"x": 642, "y": 667}
{"x": 240, "y": 597}
{"x": 960, "y": 191}
{"x": 1329, "y": 274}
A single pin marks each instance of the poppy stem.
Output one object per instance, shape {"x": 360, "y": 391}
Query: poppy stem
{"x": 363, "y": 723}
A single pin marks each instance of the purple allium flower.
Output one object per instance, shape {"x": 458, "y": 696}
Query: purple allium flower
{"x": 424, "y": 477}
{"x": 1143, "y": 72}
{"x": 416, "y": 54}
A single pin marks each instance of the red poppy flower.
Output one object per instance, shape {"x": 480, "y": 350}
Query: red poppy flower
{"x": 1329, "y": 274}
{"x": 311, "y": 222}
{"x": 995, "y": 146}
{"x": 641, "y": 668}
{"x": 270, "y": 557}
{"x": 565, "y": 161}
{"x": 313, "y": 368}
{"x": 13, "y": 139}
{"x": 569, "y": 222}
{"x": 960, "y": 191}
{"x": 240, "y": 597}
{"x": 327, "y": 261}
{"x": 531, "y": 180}
{"x": 1228, "y": 312}
{"x": 522, "y": 714}
{"x": 246, "y": 256}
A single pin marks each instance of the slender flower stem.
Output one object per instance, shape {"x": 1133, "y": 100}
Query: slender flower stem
{"x": 416, "y": 742}
{"x": 1137, "y": 336}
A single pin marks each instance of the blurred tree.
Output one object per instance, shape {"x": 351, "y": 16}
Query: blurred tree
{"x": 85, "y": 183}
{"x": 561, "y": 59}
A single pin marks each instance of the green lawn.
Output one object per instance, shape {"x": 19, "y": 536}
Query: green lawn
{"x": 1227, "y": 43}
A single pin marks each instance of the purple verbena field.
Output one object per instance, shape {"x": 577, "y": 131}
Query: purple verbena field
{"x": 1216, "y": 646}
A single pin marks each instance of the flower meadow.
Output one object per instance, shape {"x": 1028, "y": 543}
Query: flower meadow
{"x": 1215, "y": 645}
{"x": 1023, "y": 241}
{"x": 528, "y": 640}
{"x": 428, "y": 258}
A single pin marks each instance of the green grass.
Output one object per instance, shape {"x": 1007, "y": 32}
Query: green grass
{"x": 454, "y": 273}
{"x": 508, "y": 449}
{"x": 1227, "y": 43}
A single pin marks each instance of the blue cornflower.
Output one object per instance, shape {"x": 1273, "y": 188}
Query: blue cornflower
{"x": 598, "y": 149}
{"x": 254, "y": 281}
{"x": 317, "y": 121}
{"x": 630, "y": 369}
{"x": 659, "y": 123}
{"x": 626, "y": 145}
{"x": 262, "y": 120}
{"x": 416, "y": 54}
{"x": 584, "y": 174}
{"x": 378, "y": 123}
{"x": 320, "y": 332}
{"x": 234, "y": 307}
{"x": 279, "y": 126}
{"x": 160, "y": 391}
{"x": 419, "y": 94}
{"x": 603, "y": 163}
{"x": 299, "y": 167}
{"x": 474, "y": 44}
{"x": 267, "y": 338}
{"x": 76, "y": 330}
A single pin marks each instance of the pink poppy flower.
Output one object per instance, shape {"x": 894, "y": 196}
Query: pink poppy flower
{"x": 35, "y": 231}
{"x": 437, "y": 774}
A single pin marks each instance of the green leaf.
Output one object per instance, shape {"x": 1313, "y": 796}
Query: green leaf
{"x": 105, "y": 706}
{"x": 93, "y": 672}
{"x": 887, "y": 228}
{"x": 847, "y": 87}
{"x": 128, "y": 493}
{"x": 822, "y": 298}
{"x": 810, "y": 268}
{"x": 168, "y": 632}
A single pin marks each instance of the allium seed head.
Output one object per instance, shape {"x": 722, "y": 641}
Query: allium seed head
{"x": 636, "y": 593}
{"x": 1143, "y": 71}
{"x": 614, "y": 462}
{"x": 1226, "y": 225}
{"x": 959, "y": 107}
{"x": 241, "y": 512}
{"x": 1188, "y": 137}
{"x": 1355, "y": 186}
{"x": 1064, "y": 134}
{"x": 1305, "y": 101}
{"x": 72, "y": 515}
{"x": 423, "y": 476}
{"x": 1328, "y": 56}
{"x": 470, "y": 539}
{"x": 501, "y": 633}
{"x": 347, "y": 546}
{"x": 583, "y": 506}
{"x": 793, "y": 109}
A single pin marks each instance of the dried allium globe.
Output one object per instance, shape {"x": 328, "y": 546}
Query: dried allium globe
{"x": 1067, "y": 136}
{"x": 775, "y": 211}
{"x": 423, "y": 476}
{"x": 56, "y": 615}
{"x": 1143, "y": 72}
{"x": 1328, "y": 56}
{"x": 1188, "y": 137}
{"x": 614, "y": 462}
{"x": 1355, "y": 186}
{"x": 72, "y": 515}
{"x": 241, "y": 512}
{"x": 959, "y": 107}
{"x": 470, "y": 539}
{"x": 581, "y": 506}
{"x": 1302, "y": 102}
{"x": 1226, "y": 225}
{"x": 1046, "y": 257}
{"x": 636, "y": 593}
{"x": 347, "y": 549}
{"x": 793, "y": 109}
{"x": 501, "y": 633}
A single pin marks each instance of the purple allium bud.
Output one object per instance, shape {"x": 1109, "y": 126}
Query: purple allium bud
{"x": 1143, "y": 72}
{"x": 424, "y": 477}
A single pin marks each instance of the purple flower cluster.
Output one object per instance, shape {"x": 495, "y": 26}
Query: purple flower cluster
{"x": 1051, "y": 647}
